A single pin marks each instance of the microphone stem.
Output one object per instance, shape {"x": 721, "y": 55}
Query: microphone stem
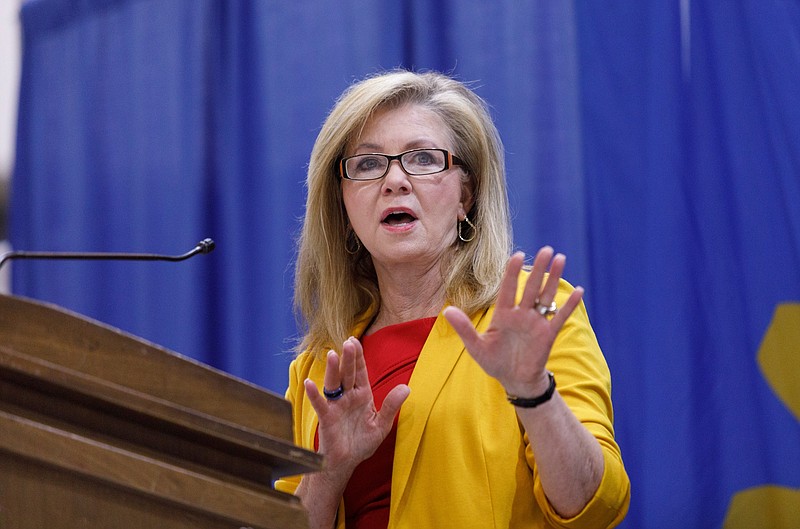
{"x": 204, "y": 246}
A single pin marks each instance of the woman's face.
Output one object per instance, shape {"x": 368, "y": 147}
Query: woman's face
{"x": 405, "y": 220}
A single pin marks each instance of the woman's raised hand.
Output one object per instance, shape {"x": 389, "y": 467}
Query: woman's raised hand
{"x": 516, "y": 346}
{"x": 350, "y": 427}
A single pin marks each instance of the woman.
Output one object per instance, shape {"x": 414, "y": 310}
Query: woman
{"x": 404, "y": 261}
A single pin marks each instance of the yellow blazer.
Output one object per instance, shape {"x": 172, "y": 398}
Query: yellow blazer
{"x": 462, "y": 458}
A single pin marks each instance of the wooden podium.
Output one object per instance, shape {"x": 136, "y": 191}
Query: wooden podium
{"x": 101, "y": 429}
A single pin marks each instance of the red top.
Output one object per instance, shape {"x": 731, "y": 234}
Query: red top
{"x": 391, "y": 354}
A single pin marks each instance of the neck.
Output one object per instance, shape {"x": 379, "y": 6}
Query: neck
{"x": 407, "y": 296}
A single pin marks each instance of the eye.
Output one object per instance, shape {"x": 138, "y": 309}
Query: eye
{"x": 366, "y": 166}
{"x": 368, "y": 163}
{"x": 422, "y": 158}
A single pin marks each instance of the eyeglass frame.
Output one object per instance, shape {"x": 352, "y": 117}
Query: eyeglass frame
{"x": 450, "y": 160}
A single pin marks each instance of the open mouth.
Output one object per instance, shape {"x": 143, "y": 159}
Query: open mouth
{"x": 398, "y": 218}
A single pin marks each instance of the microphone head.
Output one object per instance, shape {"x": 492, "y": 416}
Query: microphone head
{"x": 206, "y": 246}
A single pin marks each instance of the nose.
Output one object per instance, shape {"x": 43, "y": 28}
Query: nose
{"x": 396, "y": 179}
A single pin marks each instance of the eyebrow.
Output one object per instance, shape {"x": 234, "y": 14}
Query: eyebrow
{"x": 424, "y": 143}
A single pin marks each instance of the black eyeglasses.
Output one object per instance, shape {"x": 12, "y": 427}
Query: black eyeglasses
{"x": 416, "y": 162}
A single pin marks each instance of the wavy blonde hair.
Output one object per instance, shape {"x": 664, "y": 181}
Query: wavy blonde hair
{"x": 336, "y": 287}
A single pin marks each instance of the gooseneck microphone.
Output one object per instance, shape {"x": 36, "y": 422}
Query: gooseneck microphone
{"x": 203, "y": 247}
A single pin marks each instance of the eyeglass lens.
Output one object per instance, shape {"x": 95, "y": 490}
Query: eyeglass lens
{"x": 416, "y": 162}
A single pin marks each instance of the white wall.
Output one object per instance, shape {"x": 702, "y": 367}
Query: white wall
{"x": 9, "y": 86}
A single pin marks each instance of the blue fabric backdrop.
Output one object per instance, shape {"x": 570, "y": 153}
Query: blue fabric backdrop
{"x": 654, "y": 142}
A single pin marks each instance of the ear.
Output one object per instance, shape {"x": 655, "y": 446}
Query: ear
{"x": 467, "y": 196}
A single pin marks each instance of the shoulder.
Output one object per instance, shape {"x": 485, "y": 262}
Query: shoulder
{"x": 305, "y": 365}
{"x": 304, "y": 361}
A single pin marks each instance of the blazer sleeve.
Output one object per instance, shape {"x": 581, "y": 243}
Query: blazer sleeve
{"x": 584, "y": 382}
{"x": 289, "y": 484}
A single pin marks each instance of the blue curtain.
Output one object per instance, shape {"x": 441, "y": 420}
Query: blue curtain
{"x": 692, "y": 166}
{"x": 654, "y": 142}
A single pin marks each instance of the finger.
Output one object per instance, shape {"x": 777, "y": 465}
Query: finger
{"x": 352, "y": 360}
{"x": 534, "y": 284}
{"x": 506, "y": 297}
{"x": 548, "y": 293}
{"x": 359, "y": 373}
{"x": 461, "y": 323}
{"x": 333, "y": 377}
{"x": 391, "y": 405}
{"x": 569, "y": 307}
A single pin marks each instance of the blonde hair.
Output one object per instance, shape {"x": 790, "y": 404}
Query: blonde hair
{"x": 334, "y": 286}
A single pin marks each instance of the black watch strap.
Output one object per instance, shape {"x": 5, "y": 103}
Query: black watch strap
{"x": 522, "y": 402}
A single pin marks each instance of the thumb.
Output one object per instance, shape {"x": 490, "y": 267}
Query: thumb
{"x": 463, "y": 326}
{"x": 392, "y": 403}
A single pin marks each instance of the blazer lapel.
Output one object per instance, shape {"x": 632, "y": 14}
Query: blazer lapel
{"x": 436, "y": 361}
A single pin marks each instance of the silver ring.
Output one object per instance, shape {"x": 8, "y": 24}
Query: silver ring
{"x": 336, "y": 394}
{"x": 545, "y": 310}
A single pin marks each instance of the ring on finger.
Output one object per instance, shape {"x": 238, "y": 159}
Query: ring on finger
{"x": 335, "y": 394}
{"x": 545, "y": 310}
